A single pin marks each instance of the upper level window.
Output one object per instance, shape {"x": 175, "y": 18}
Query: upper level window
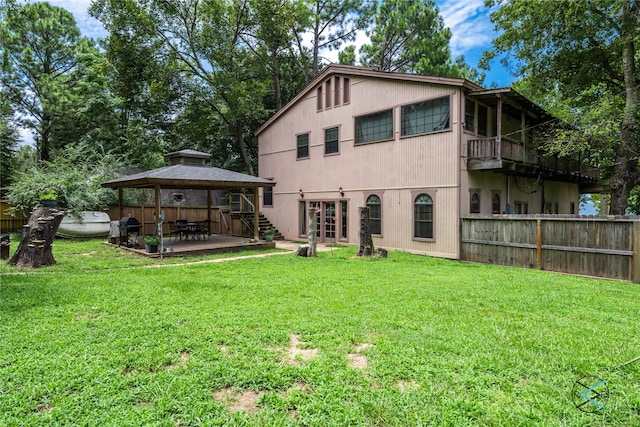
{"x": 346, "y": 91}
{"x": 375, "y": 214}
{"x": 336, "y": 91}
{"x": 469, "y": 115}
{"x": 374, "y": 127}
{"x": 267, "y": 192}
{"x": 331, "y": 141}
{"x": 426, "y": 116}
{"x": 482, "y": 120}
{"x": 327, "y": 94}
{"x": 475, "y": 203}
{"x": 319, "y": 98}
{"x": 423, "y": 217}
{"x": 303, "y": 146}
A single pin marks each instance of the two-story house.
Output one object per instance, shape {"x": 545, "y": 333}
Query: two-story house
{"x": 420, "y": 151}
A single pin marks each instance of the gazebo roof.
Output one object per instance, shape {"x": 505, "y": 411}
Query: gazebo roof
{"x": 189, "y": 175}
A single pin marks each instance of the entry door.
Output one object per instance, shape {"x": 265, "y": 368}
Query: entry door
{"x": 329, "y": 221}
{"x": 326, "y": 220}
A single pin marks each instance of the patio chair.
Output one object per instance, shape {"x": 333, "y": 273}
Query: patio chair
{"x": 174, "y": 230}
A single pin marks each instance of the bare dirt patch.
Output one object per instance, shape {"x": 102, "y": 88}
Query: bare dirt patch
{"x": 184, "y": 358}
{"x": 239, "y": 401}
{"x": 142, "y": 404}
{"x": 296, "y": 354}
{"x": 45, "y": 407}
{"x": 358, "y": 360}
{"x": 404, "y": 385}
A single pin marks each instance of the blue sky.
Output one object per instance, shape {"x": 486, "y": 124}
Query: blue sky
{"x": 468, "y": 19}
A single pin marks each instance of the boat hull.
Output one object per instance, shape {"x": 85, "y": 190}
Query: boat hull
{"x": 90, "y": 224}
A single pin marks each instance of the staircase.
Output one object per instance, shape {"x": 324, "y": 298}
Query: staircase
{"x": 263, "y": 223}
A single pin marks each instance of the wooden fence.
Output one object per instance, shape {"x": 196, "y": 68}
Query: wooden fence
{"x": 9, "y": 223}
{"x": 592, "y": 246}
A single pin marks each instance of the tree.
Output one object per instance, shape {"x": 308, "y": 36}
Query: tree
{"x": 331, "y": 23}
{"x": 410, "y": 37}
{"x": 203, "y": 40}
{"x": 42, "y": 56}
{"x": 574, "y": 53}
{"x": 8, "y": 144}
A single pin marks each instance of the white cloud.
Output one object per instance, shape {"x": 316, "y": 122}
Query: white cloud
{"x": 89, "y": 26}
{"x": 469, "y": 23}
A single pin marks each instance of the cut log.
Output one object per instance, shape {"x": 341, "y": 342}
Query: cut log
{"x": 313, "y": 235}
{"x": 34, "y": 250}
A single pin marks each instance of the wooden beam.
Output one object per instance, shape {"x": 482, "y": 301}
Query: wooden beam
{"x": 157, "y": 201}
{"x": 209, "y": 209}
{"x": 539, "y": 244}
{"x": 256, "y": 214}
{"x": 120, "y": 203}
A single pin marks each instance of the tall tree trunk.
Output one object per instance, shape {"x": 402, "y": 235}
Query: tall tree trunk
{"x": 276, "y": 78}
{"x": 34, "y": 250}
{"x": 625, "y": 172}
{"x": 243, "y": 148}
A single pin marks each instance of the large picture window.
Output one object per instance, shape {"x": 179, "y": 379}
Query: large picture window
{"x": 331, "y": 141}
{"x": 303, "y": 146}
{"x": 426, "y": 116}
{"x": 374, "y": 127}
{"x": 375, "y": 214}
{"x": 423, "y": 217}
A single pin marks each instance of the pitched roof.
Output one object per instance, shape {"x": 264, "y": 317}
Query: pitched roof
{"x": 189, "y": 176}
{"x": 368, "y": 72}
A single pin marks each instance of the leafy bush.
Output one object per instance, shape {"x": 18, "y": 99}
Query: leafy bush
{"x": 74, "y": 177}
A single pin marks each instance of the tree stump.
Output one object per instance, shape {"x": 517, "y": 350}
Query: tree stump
{"x": 366, "y": 241}
{"x": 34, "y": 250}
{"x": 303, "y": 251}
{"x": 382, "y": 252}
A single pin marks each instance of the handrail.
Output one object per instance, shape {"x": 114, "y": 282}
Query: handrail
{"x": 248, "y": 201}
{"x": 508, "y": 149}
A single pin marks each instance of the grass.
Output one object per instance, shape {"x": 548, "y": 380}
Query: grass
{"x": 95, "y": 340}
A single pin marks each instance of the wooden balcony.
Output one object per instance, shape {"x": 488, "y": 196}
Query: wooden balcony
{"x": 512, "y": 157}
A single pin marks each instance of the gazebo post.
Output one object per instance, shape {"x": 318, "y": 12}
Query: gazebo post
{"x": 209, "y": 209}
{"x": 256, "y": 214}
{"x": 157, "y": 215}
{"x": 120, "y": 203}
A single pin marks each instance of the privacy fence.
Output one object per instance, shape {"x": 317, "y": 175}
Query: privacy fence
{"x": 587, "y": 245}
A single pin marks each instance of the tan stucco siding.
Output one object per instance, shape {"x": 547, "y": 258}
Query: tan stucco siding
{"x": 396, "y": 168}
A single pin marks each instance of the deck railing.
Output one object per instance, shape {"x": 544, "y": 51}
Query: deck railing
{"x": 508, "y": 149}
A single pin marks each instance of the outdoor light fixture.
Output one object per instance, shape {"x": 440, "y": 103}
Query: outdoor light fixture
{"x": 301, "y": 193}
{"x": 341, "y": 191}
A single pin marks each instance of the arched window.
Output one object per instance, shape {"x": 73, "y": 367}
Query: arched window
{"x": 423, "y": 217}
{"x": 495, "y": 204}
{"x": 375, "y": 214}
{"x": 475, "y": 203}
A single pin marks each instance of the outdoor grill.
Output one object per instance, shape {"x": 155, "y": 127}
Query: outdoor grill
{"x": 128, "y": 226}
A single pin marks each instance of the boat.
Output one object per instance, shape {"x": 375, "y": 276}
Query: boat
{"x": 89, "y": 224}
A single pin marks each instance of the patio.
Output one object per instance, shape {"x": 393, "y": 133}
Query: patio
{"x": 215, "y": 244}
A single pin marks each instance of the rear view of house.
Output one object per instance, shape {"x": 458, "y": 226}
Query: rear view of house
{"x": 419, "y": 151}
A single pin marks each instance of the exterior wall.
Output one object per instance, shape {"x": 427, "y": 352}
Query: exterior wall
{"x": 517, "y": 189}
{"x": 396, "y": 170}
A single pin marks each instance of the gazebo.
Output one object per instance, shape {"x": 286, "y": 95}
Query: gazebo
{"x": 189, "y": 171}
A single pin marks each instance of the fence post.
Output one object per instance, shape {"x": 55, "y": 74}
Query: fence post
{"x": 635, "y": 247}
{"x": 539, "y": 244}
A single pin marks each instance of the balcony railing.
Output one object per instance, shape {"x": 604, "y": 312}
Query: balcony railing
{"x": 515, "y": 152}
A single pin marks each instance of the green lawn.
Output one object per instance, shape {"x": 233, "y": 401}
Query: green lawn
{"x": 99, "y": 339}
